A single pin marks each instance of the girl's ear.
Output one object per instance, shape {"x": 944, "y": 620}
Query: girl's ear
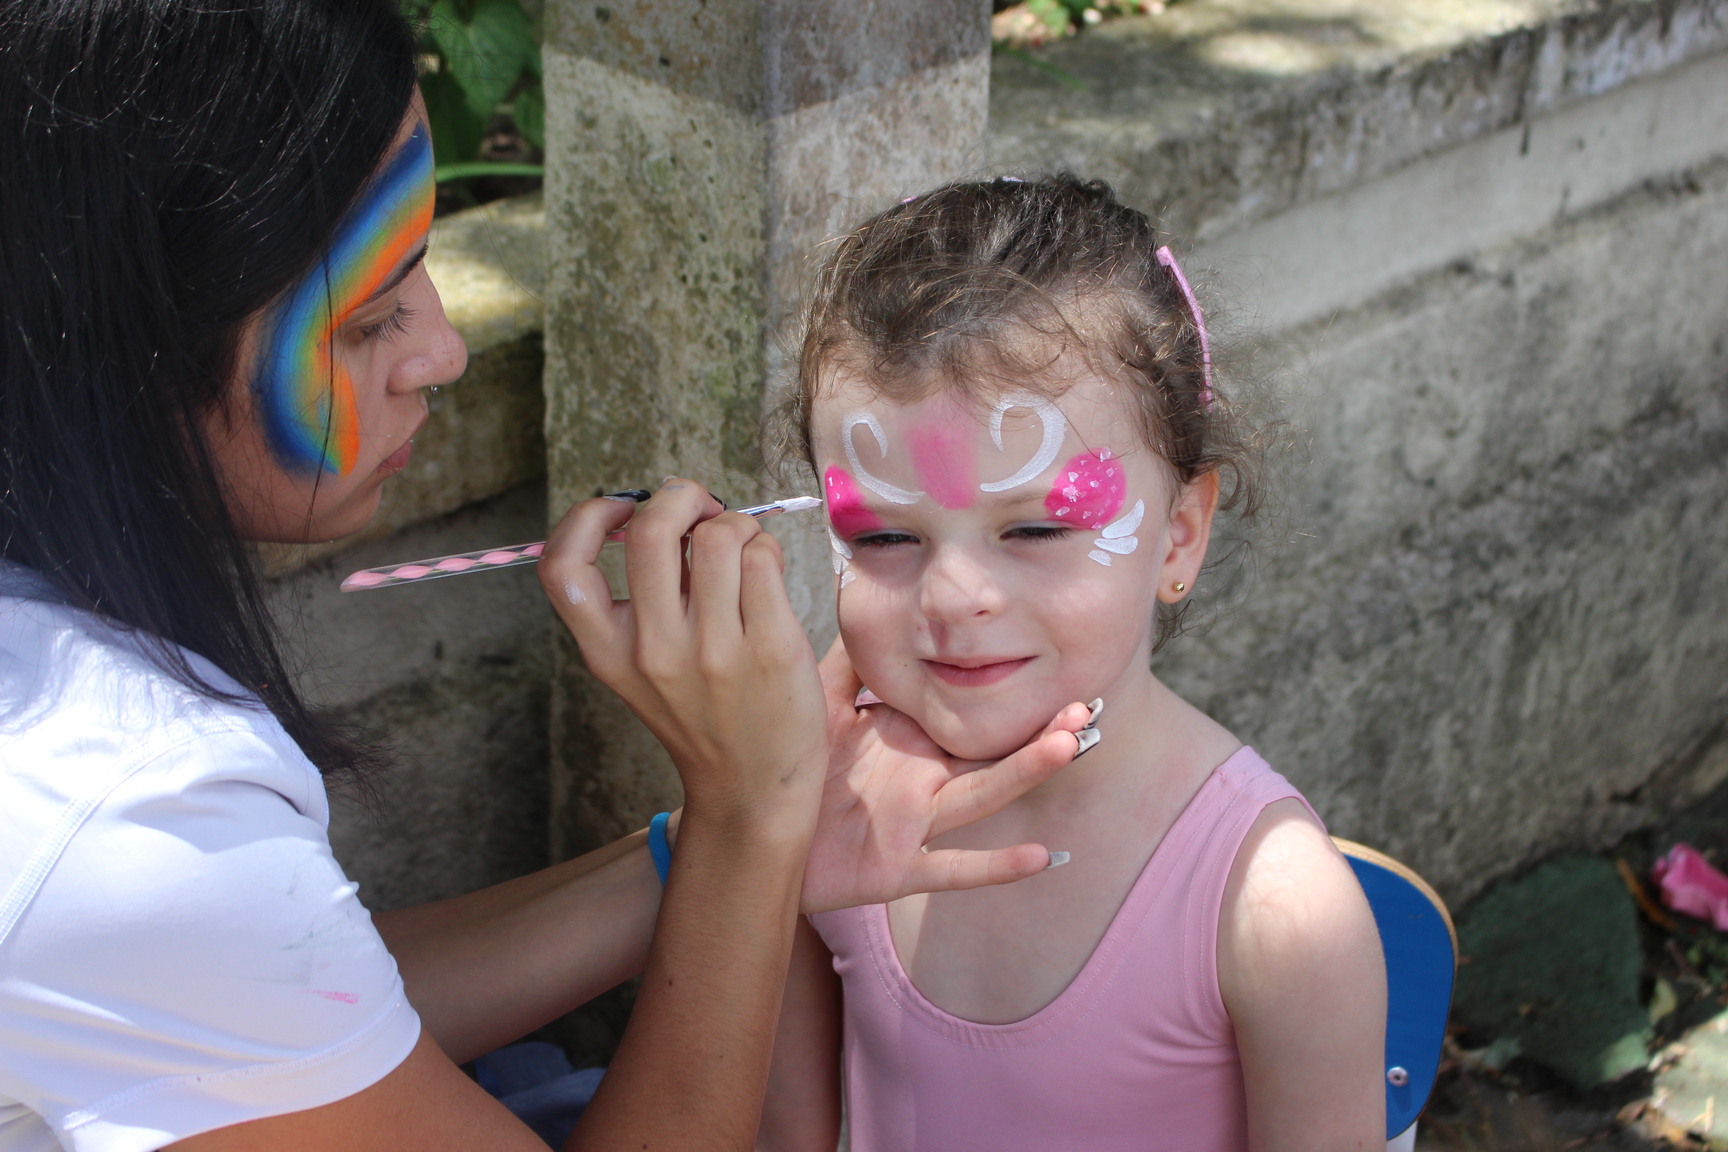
{"x": 1190, "y": 533}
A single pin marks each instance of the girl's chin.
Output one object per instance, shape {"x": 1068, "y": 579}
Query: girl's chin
{"x": 979, "y": 739}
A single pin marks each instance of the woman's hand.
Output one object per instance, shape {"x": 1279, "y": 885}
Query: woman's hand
{"x": 891, "y": 790}
{"x": 708, "y": 654}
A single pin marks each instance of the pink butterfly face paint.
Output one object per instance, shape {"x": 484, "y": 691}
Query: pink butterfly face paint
{"x": 304, "y": 392}
{"x": 1089, "y": 490}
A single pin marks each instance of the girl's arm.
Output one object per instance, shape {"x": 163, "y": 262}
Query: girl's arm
{"x": 1300, "y": 967}
{"x": 802, "y": 1112}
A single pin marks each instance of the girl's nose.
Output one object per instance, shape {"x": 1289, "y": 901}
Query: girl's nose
{"x": 958, "y": 586}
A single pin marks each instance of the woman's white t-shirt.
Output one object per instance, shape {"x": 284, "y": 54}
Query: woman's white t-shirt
{"x": 179, "y": 951}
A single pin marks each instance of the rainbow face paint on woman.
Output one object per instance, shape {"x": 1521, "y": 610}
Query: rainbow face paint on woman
{"x": 305, "y": 395}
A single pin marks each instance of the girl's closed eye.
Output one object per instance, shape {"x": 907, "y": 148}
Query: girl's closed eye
{"x": 1039, "y": 532}
{"x": 391, "y": 326}
{"x": 884, "y": 539}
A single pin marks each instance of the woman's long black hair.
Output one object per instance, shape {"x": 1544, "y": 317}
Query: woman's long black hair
{"x": 167, "y": 168}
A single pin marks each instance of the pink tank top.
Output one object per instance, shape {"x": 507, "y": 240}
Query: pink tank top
{"x": 1137, "y": 1053}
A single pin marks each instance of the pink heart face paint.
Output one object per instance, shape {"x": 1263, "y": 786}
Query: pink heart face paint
{"x": 1089, "y": 490}
{"x": 305, "y": 395}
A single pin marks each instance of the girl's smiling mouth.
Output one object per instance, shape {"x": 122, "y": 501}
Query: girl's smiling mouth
{"x": 976, "y": 672}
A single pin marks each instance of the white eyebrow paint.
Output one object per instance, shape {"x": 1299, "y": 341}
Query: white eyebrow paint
{"x": 1118, "y": 537}
{"x": 882, "y": 488}
{"x": 1054, "y": 425}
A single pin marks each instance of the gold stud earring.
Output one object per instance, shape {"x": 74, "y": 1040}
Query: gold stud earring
{"x": 1179, "y": 586}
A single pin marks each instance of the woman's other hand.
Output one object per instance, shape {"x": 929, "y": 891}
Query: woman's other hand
{"x": 891, "y": 790}
{"x": 706, "y": 650}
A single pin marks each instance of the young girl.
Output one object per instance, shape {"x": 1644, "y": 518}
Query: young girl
{"x": 1006, "y": 390}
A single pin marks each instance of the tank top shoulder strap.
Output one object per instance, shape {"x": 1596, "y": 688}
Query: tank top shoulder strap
{"x": 1181, "y": 894}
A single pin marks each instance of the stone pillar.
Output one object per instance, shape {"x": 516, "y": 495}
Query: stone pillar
{"x": 699, "y": 150}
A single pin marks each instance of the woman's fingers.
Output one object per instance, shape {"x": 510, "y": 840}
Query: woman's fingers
{"x": 716, "y": 580}
{"x": 568, "y": 572}
{"x": 952, "y": 869}
{"x": 654, "y": 558}
{"x": 985, "y": 791}
{"x": 766, "y": 608}
{"x": 840, "y": 680}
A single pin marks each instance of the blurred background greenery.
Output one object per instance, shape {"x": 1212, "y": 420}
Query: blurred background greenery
{"x": 480, "y": 73}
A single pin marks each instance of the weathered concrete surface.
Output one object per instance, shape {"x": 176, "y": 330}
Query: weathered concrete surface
{"x": 1223, "y": 112}
{"x": 453, "y": 674}
{"x": 697, "y": 154}
{"x": 1497, "y": 629}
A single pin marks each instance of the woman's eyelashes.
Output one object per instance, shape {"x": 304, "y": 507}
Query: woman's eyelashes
{"x": 391, "y": 326}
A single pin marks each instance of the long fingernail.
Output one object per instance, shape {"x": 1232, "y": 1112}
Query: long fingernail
{"x": 1096, "y": 707}
{"x": 1057, "y": 859}
{"x": 629, "y": 495}
{"x": 1088, "y": 739}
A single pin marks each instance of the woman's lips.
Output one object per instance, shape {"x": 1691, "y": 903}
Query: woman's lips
{"x": 976, "y": 673}
{"x": 398, "y": 459}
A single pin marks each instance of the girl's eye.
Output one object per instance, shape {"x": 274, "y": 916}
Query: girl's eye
{"x": 884, "y": 540}
{"x": 391, "y": 326}
{"x": 1039, "y": 532}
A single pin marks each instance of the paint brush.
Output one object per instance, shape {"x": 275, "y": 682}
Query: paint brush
{"x": 515, "y": 555}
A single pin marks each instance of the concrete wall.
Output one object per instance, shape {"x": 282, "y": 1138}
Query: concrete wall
{"x": 1482, "y": 246}
{"x": 697, "y": 154}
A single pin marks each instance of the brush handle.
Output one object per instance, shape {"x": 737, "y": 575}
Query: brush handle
{"x": 493, "y": 559}
{"x": 415, "y": 571}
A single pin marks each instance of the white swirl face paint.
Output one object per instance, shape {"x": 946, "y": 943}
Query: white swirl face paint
{"x": 1055, "y": 427}
{"x": 1118, "y": 536}
{"x": 877, "y": 485}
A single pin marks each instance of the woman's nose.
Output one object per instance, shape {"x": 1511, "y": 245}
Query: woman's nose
{"x": 958, "y": 586}
{"x": 439, "y": 356}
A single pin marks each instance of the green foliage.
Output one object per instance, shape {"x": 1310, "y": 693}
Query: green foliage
{"x": 479, "y": 58}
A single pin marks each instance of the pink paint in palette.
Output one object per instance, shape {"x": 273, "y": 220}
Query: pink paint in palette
{"x": 1089, "y": 490}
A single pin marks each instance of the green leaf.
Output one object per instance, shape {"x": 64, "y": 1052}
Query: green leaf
{"x": 456, "y": 130}
{"x": 447, "y": 172}
{"x": 529, "y": 111}
{"x": 486, "y": 53}
{"x": 1054, "y": 13}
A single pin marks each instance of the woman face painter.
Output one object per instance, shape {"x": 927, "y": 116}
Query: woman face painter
{"x": 217, "y": 329}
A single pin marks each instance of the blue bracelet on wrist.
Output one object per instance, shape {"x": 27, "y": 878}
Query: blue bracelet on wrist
{"x": 658, "y": 847}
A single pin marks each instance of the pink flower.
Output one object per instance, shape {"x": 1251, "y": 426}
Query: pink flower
{"x": 1689, "y": 884}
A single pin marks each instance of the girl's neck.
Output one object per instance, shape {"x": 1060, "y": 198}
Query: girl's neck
{"x": 1155, "y": 747}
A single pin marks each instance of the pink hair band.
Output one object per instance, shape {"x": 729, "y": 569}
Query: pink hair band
{"x": 1168, "y": 260}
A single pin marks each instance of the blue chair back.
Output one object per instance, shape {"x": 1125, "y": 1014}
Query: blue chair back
{"x": 1421, "y": 950}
